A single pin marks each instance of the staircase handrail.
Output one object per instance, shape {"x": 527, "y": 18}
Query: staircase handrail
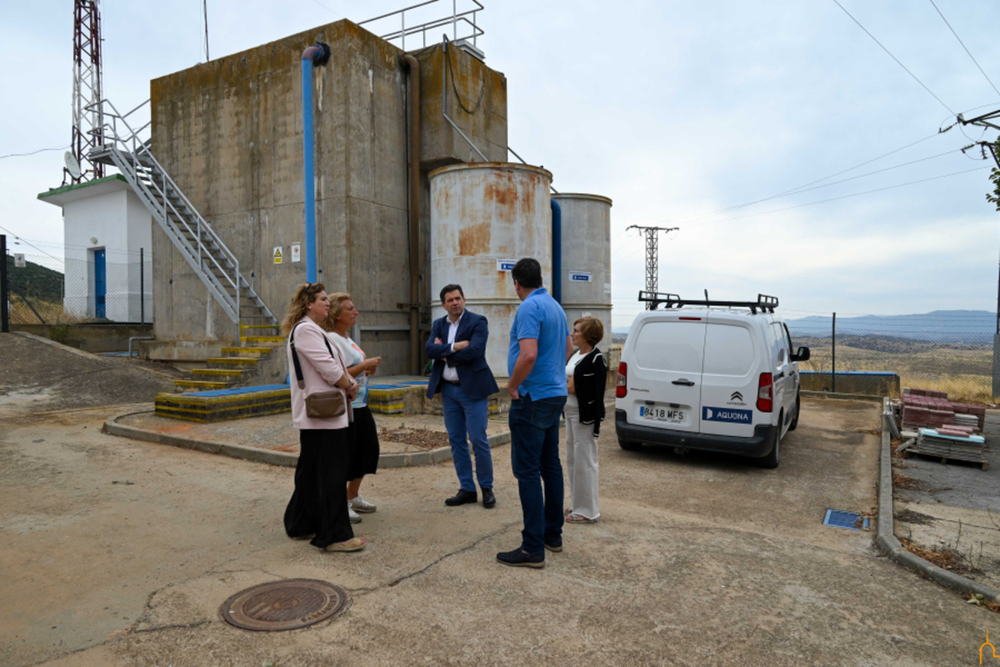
{"x": 137, "y": 147}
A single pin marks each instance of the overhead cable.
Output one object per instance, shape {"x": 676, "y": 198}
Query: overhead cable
{"x": 40, "y": 150}
{"x": 965, "y": 47}
{"x": 31, "y": 244}
{"x": 895, "y": 58}
{"x": 856, "y": 194}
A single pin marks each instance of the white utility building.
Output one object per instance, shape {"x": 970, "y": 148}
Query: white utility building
{"x": 108, "y": 240}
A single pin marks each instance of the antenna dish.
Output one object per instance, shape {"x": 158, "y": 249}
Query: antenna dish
{"x": 72, "y": 165}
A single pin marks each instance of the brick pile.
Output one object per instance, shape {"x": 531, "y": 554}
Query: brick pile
{"x": 924, "y": 408}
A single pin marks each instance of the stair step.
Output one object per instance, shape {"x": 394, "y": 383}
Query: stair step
{"x": 201, "y": 384}
{"x": 260, "y": 326}
{"x": 217, "y": 373}
{"x": 263, "y": 339}
{"x": 232, "y": 362}
{"x": 251, "y": 352}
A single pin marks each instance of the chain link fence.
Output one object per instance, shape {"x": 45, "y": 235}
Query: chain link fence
{"x": 106, "y": 286}
{"x": 949, "y": 351}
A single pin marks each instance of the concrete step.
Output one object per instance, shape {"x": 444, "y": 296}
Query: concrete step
{"x": 218, "y": 373}
{"x": 276, "y": 340}
{"x": 201, "y": 385}
{"x": 251, "y": 352}
{"x": 246, "y": 363}
{"x": 260, "y": 326}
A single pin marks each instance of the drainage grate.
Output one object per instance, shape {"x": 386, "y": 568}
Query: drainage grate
{"x": 842, "y": 519}
{"x": 284, "y": 605}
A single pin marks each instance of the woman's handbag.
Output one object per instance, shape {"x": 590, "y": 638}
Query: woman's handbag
{"x": 319, "y": 404}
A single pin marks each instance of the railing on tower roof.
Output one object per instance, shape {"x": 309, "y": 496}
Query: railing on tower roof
{"x": 453, "y": 19}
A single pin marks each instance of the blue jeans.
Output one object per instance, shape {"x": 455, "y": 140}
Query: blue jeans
{"x": 534, "y": 454}
{"x": 463, "y": 415}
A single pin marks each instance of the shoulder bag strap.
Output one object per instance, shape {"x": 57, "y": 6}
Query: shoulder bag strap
{"x": 295, "y": 356}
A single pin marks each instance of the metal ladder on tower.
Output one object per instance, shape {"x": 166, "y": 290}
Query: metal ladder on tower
{"x": 123, "y": 147}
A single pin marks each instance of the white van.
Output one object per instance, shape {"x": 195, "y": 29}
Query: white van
{"x": 718, "y": 376}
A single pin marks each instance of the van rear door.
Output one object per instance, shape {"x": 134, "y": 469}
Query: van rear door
{"x": 729, "y": 381}
{"x": 664, "y": 372}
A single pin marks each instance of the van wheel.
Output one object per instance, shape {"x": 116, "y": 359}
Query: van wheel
{"x": 630, "y": 445}
{"x": 798, "y": 408}
{"x": 772, "y": 458}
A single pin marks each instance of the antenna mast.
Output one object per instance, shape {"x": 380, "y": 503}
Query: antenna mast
{"x": 87, "y": 90}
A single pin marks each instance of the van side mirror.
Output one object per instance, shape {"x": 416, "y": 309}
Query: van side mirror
{"x": 801, "y": 355}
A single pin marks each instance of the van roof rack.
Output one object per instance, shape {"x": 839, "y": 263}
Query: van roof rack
{"x": 765, "y": 303}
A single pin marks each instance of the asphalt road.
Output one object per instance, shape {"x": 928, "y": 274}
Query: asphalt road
{"x": 116, "y": 552}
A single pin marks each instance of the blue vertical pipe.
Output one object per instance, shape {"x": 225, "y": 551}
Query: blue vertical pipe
{"x": 556, "y": 252}
{"x": 307, "y": 163}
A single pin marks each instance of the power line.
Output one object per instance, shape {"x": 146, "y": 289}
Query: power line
{"x": 40, "y": 150}
{"x": 856, "y": 194}
{"x": 31, "y": 244}
{"x": 327, "y": 8}
{"x": 895, "y": 58}
{"x": 804, "y": 186}
{"x": 965, "y": 47}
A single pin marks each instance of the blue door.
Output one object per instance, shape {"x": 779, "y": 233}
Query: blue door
{"x": 100, "y": 284}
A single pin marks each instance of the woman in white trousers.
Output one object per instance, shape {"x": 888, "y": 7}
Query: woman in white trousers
{"x": 586, "y": 376}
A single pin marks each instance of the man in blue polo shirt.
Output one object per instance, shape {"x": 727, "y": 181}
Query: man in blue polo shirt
{"x": 536, "y": 364}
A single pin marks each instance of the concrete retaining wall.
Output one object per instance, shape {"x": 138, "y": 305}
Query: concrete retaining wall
{"x": 89, "y": 337}
{"x": 852, "y": 382}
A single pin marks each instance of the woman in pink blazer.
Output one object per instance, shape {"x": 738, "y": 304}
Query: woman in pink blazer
{"x": 318, "y": 508}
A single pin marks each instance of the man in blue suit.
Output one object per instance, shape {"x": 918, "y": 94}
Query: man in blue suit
{"x": 457, "y": 345}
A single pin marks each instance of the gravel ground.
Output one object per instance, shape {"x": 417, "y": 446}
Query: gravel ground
{"x": 39, "y": 376}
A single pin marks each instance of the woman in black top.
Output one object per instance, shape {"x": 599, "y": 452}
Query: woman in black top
{"x": 586, "y": 377}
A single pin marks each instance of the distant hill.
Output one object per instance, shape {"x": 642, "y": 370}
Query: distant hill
{"x": 974, "y": 327}
{"x": 35, "y": 281}
{"x": 943, "y": 326}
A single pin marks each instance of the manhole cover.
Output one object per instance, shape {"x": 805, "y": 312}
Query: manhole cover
{"x": 842, "y": 519}
{"x": 284, "y": 605}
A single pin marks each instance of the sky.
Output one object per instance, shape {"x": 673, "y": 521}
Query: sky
{"x": 682, "y": 113}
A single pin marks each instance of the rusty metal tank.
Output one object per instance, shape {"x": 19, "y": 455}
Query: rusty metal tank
{"x": 484, "y": 217}
{"x": 586, "y": 259}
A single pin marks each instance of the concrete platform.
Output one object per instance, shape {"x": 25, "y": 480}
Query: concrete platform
{"x": 272, "y": 439}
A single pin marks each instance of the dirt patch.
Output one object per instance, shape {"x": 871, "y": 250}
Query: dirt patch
{"x": 945, "y": 558}
{"x": 908, "y": 483}
{"x": 415, "y": 437}
{"x": 909, "y": 516}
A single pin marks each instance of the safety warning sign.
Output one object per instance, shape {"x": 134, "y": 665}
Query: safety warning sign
{"x": 277, "y": 255}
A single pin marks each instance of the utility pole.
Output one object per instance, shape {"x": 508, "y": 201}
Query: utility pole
{"x": 652, "y": 256}
{"x": 4, "y": 287}
{"x": 986, "y": 121}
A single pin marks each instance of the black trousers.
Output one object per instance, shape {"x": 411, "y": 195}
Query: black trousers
{"x": 319, "y": 503}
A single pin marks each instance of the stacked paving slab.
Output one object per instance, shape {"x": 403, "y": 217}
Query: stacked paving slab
{"x": 924, "y": 408}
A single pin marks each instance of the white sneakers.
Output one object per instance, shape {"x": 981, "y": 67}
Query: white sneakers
{"x": 352, "y": 514}
{"x": 359, "y": 504}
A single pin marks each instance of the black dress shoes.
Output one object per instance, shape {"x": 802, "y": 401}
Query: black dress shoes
{"x": 489, "y": 500}
{"x": 461, "y": 498}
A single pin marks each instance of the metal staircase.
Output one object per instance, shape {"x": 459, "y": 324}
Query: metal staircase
{"x": 190, "y": 233}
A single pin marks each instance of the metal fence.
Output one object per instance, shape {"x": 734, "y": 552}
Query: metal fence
{"x": 946, "y": 351}
{"x": 103, "y": 286}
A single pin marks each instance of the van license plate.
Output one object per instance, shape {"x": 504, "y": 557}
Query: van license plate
{"x": 662, "y": 414}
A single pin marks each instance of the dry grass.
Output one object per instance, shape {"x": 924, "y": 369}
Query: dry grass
{"x": 965, "y": 372}
{"x": 52, "y": 313}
